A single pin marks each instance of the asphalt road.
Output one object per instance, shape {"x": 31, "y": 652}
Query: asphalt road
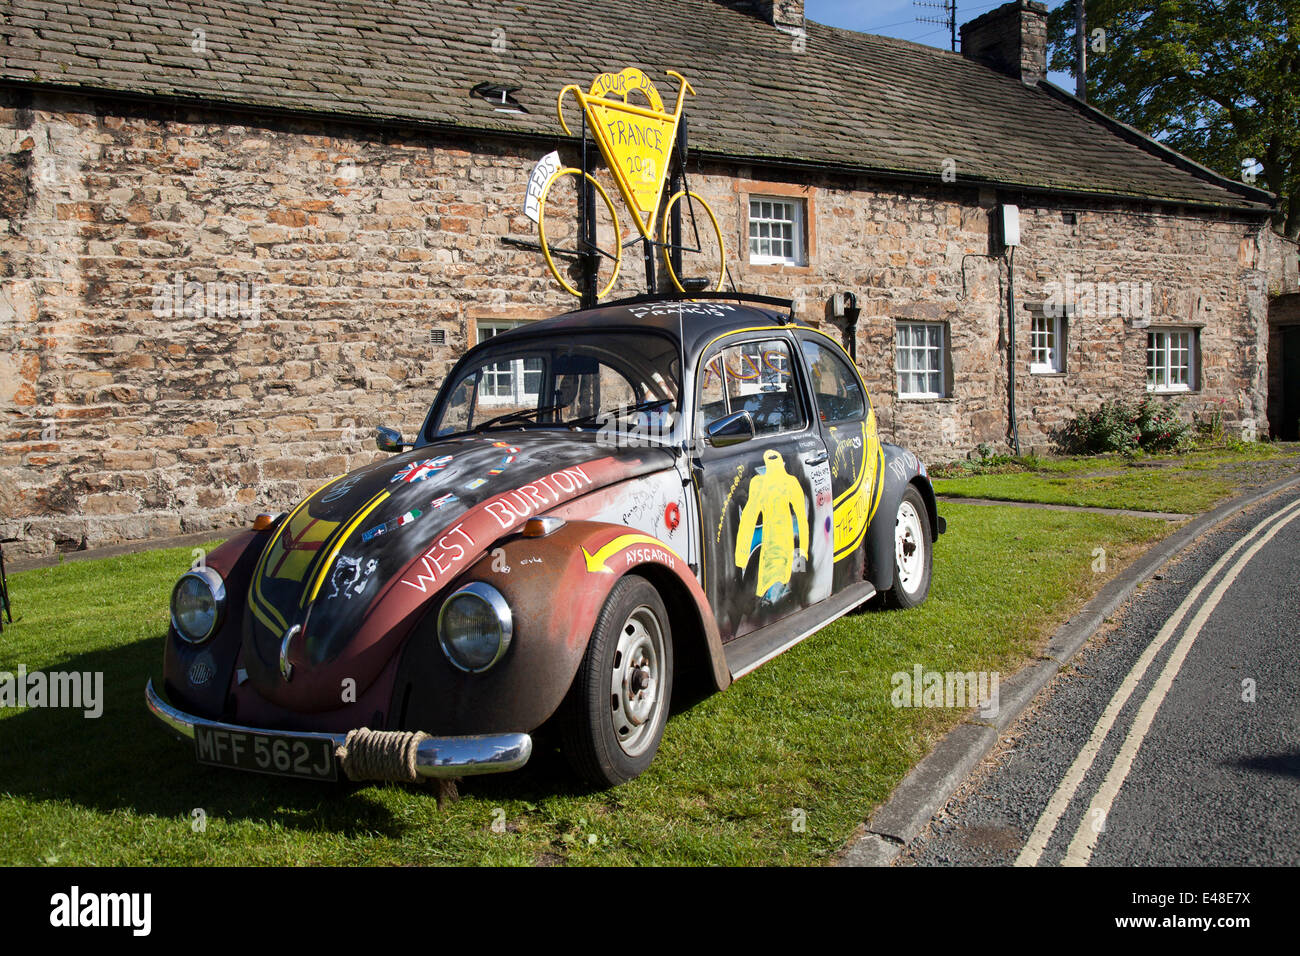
{"x": 1174, "y": 737}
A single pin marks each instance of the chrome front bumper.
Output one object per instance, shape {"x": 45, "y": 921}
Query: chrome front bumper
{"x": 436, "y": 757}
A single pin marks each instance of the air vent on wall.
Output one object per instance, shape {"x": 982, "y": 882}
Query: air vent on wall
{"x": 437, "y": 336}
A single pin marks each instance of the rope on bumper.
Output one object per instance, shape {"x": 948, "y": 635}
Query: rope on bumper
{"x": 381, "y": 754}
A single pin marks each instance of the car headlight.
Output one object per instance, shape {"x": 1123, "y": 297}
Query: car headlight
{"x": 198, "y": 604}
{"x": 474, "y": 627}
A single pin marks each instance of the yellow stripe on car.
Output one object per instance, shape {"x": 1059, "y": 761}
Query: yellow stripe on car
{"x": 596, "y": 562}
{"x": 338, "y": 545}
{"x": 261, "y": 606}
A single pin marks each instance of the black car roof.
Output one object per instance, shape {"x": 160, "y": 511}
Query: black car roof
{"x": 696, "y": 322}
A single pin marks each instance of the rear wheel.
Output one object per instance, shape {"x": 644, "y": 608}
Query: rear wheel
{"x": 701, "y": 246}
{"x": 912, "y": 553}
{"x": 613, "y": 717}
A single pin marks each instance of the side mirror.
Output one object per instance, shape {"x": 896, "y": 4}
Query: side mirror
{"x": 730, "y": 429}
{"x": 389, "y": 439}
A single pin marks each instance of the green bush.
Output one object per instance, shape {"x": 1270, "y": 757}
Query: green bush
{"x": 1119, "y": 426}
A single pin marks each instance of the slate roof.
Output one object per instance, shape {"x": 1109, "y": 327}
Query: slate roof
{"x": 849, "y": 101}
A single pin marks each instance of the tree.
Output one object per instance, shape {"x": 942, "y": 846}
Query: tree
{"x": 1214, "y": 79}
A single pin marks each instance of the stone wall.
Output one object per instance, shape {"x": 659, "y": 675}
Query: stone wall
{"x": 902, "y": 253}
{"x": 203, "y": 316}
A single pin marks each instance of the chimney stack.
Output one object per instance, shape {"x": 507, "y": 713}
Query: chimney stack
{"x": 1012, "y": 39}
{"x": 785, "y": 15}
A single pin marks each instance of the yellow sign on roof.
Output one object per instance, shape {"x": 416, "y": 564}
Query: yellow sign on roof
{"x": 636, "y": 137}
{"x": 636, "y": 140}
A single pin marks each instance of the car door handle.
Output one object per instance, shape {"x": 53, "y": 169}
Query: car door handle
{"x": 819, "y": 460}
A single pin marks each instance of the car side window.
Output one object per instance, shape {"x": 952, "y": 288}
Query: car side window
{"x": 837, "y": 389}
{"x": 756, "y": 377}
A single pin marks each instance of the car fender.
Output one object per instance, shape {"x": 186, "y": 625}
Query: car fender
{"x": 555, "y": 586}
{"x": 199, "y": 676}
{"x": 902, "y": 468}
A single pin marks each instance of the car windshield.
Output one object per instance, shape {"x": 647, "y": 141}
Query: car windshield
{"x": 588, "y": 381}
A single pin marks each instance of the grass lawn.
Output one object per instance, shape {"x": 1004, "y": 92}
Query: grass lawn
{"x": 813, "y": 731}
{"x": 1187, "y": 483}
{"x": 1139, "y": 490}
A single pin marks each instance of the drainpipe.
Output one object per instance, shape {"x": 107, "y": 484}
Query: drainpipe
{"x": 1013, "y": 431}
{"x": 851, "y": 313}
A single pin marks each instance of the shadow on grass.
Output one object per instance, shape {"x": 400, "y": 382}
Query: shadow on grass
{"x": 126, "y": 760}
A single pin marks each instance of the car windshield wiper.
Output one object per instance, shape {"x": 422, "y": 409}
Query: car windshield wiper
{"x": 619, "y": 412}
{"x": 524, "y": 415}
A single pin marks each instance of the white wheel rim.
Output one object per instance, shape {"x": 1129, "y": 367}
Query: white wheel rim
{"x": 636, "y": 682}
{"x": 909, "y": 548}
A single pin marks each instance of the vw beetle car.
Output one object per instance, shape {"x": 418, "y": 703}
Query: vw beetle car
{"x": 598, "y": 507}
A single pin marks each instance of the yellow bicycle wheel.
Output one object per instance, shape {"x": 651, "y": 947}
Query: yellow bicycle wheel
{"x": 717, "y": 231}
{"x": 546, "y": 245}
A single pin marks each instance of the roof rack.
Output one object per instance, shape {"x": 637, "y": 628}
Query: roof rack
{"x": 787, "y": 304}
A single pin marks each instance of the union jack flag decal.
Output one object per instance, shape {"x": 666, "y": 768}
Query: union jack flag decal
{"x": 420, "y": 470}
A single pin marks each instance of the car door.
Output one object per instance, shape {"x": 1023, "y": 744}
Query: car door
{"x": 847, "y": 424}
{"x": 765, "y": 502}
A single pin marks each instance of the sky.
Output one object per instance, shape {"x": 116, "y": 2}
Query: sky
{"x": 897, "y": 18}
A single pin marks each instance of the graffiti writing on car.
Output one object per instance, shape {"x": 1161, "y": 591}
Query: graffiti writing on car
{"x": 726, "y": 502}
{"x": 515, "y": 506}
{"x": 508, "y": 510}
{"x": 652, "y": 549}
{"x": 904, "y": 465}
{"x": 446, "y": 553}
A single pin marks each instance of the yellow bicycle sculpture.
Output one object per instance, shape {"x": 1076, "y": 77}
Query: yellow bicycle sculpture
{"x": 637, "y": 143}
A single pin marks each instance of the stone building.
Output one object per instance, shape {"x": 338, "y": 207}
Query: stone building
{"x": 235, "y": 238}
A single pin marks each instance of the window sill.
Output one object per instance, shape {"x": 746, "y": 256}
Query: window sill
{"x": 1046, "y": 373}
{"x": 778, "y": 268}
{"x": 1171, "y": 391}
{"x": 926, "y": 399}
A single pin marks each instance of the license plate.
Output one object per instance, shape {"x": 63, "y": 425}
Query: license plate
{"x": 281, "y": 754}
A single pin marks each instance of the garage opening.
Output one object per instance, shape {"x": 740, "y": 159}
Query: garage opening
{"x": 1284, "y": 367}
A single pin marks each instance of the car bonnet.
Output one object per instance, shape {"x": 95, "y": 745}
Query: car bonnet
{"x": 348, "y": 572}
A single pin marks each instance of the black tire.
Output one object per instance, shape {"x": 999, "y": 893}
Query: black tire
{"x": 609, "y": 737}
{"x": 913, "y": 540}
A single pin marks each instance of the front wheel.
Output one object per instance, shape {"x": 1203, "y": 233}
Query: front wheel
{"x": 613, "y": 717}
{"x": 559, "y": 194}
{"x": 912, "y": 554}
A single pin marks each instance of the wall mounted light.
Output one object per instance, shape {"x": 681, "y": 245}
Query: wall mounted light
{"x": 844, "y": 305}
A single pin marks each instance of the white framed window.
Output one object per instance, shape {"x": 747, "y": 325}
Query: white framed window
{"x": 1171, "y": 360}
{"x": 1046, "y": 344}
{"x": 920, "y": 359}
{"x": 776, "y": 231}
{"x": 508, "y": 383}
